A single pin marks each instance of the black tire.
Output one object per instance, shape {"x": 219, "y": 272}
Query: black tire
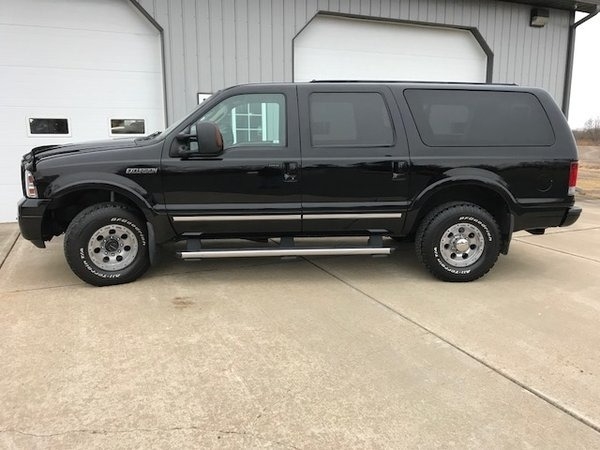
{"x": 107, "y": 244}
{"x": 458, "y": 242}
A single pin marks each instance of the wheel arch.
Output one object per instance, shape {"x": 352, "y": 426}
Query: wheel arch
{"x": 491, "y": 196}
{"x": 70, "y": 198}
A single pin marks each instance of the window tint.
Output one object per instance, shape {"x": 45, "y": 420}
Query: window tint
{"x": 453, "y": 118}
{"x": 127, "y": 126}
{"x": 250, "y": 119}
{"x": 48, "y": 126}
{"x": 355, "y": 119}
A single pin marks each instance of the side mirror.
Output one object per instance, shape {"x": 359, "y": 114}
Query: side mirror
{"x": 209, "y": 139}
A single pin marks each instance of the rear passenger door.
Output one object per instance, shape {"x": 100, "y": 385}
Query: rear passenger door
{"x": 355, "y": 162}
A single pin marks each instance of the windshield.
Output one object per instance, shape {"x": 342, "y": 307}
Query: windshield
{"x": 180, "y": 121}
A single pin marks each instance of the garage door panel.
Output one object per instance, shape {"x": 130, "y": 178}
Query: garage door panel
{"x": 16, "y": 141}
{"x": 90, "y": 89}
{"x": 343, "y": 48}
{"x": 332, "y": 66}
{"x": 103, "y": 15}
{"x": 47, "y": 47}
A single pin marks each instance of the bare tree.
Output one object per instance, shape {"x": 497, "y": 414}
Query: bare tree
{"x": 591, "y": 129}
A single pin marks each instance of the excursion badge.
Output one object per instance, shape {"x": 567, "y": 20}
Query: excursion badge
{"x": 141, "y": 170}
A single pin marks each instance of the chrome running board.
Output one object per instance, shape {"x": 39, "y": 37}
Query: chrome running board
{"x": 256, "y": 253}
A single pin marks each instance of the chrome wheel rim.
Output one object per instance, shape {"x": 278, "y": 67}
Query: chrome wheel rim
{"x": 462, "y": 245}
{"x": 113, "y": 247}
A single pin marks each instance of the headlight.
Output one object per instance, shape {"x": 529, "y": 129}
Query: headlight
{"x": 30, "y": 189}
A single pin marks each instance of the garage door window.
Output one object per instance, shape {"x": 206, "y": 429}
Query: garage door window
{"x": 356, "y": 119}
{"x": 127, "y": 126}
{"x": 47, "y": 126}
{"x": 456, "y": 118}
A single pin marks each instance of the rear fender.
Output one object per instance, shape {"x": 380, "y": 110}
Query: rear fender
{"x": 467, "y": 177}
{"x": 459, "y": 179}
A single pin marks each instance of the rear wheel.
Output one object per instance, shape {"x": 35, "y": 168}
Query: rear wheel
{"x": 458, "y": 242}
{"x": 106, "y": 244}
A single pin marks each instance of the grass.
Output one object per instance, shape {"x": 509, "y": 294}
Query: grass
{"x": 588, "y": 181}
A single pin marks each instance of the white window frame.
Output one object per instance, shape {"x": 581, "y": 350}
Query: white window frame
{"x": 249, "y": 129}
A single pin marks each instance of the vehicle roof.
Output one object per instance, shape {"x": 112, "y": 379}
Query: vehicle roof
{"x": 406, "y": 84}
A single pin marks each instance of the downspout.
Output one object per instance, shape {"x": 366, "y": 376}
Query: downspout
{"x": 570, "y": 57}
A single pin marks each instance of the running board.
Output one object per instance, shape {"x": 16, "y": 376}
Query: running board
{"x": 255, "y": 253}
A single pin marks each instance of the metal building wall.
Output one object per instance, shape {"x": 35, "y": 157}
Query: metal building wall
{"x": 211, "y": 44}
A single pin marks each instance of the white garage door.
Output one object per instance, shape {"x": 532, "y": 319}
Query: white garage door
{"x": 73, "y": 70}
{"x": 332, "y": 48}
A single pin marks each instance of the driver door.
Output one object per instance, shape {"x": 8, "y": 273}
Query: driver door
{"x": 253, "y": 186}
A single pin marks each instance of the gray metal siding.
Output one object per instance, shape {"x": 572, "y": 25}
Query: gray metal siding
{"x": 211, "y": 44}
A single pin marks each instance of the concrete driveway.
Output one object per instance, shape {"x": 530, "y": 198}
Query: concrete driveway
{"x": 329, "y": 352}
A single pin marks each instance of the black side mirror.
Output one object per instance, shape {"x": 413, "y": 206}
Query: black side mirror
{"x": 210, "y": 139}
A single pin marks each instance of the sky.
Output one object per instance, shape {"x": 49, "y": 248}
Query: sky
{"x": 585, "y": 89}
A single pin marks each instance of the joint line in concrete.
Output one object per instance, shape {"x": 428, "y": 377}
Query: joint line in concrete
{"x": 552, "y": 402}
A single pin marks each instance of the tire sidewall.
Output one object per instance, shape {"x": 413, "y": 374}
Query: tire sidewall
{"x": 77, "y": 247}
{"x": 432, "y": 252}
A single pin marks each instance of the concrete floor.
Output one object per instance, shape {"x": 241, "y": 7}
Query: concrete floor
{"x": 330, "y": 352}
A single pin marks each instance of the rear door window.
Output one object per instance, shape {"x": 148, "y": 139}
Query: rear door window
{"x": 349, "y": 119}
{"x": 460, "y": 118}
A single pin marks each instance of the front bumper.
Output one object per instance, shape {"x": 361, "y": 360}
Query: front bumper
{"x": 31, "y": 217}
{"x": 571, "y": 216}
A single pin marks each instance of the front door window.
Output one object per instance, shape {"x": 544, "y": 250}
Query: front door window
{"x": 250, "y": 120}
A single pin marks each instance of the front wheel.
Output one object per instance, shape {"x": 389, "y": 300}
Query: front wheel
{"x": 458, "y": 242}
{"x": 106, "y": 244}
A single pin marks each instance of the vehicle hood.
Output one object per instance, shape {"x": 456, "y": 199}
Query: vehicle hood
{"x": 95, "y": 146}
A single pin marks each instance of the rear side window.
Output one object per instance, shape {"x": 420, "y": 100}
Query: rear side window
{"x": 349, "y": 119}
{"x": 455, "y": 118}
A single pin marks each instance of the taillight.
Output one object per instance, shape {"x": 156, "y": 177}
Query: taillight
{"x": 30, "y": 189}
{"x": 573, "y": 177}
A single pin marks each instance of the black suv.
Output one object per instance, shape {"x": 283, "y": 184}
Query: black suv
{"x": 456, "y": 167}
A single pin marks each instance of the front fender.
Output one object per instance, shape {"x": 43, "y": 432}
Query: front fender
{"x": 162, "y": 229}
{"x": 67, "y": 184}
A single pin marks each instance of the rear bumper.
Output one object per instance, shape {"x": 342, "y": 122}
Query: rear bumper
{"x": 571, "y": 216}
{"x": 31, "y": 217}
{"x": 542, "y": 216}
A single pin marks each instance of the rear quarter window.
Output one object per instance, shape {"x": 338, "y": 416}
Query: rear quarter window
{"x": 461, "y": 118}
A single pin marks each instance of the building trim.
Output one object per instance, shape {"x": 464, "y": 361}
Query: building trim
{"x": 161, "y": 32}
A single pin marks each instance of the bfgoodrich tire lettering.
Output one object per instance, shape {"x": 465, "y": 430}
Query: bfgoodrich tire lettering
{"x": 106, "y": 244}
{"x": 458, "y": 242}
